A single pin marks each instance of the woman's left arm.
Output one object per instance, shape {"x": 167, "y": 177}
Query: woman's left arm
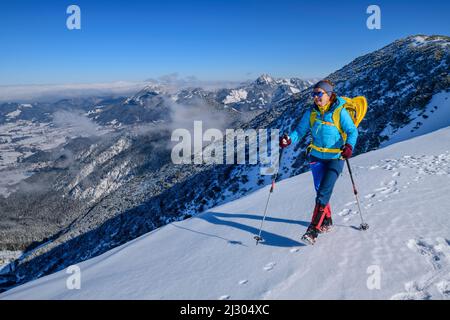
{"x": 349, "y": 128}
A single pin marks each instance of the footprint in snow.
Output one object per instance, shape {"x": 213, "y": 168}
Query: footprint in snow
{"x": 397, "y": 174}
{"x": 370, "y": 195}
{"x": 269, "y": 266}
{"x": 392, "y": 183}
{"x": 344, "y": 212}
{"x": 243, "y": 282}
{"x": 294, "y": 250}
{"x": 386, "y": 190}
{"x": 350, "y": 203}
{"x": 444, "y": 288}
{"x": 224, "y": 297}
{"x": 437, "y": 254}
{"x": 413, "y": 291}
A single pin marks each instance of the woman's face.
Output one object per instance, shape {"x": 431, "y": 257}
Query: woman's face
{"x": 321, "y": 100}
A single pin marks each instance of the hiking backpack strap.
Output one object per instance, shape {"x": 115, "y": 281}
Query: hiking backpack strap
{"x": 313, "y": 118}
{"x": 356, "y": 107}
{"x": 337, "y": 121}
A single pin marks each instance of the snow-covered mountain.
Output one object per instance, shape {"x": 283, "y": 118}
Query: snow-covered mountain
{"x": 28, "y": 128}
{"x": 405, "y": 254}
{"x": 156, "y": 102}
{"x": 261, "y": 93}
{"x": 42, "y": 112}
{"x": 95, "y": 193}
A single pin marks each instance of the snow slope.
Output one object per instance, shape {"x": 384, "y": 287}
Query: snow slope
{"x": 404, "y": 194}
{"x": 436, "y": 115}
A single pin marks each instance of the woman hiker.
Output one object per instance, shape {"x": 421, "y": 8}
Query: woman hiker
{"x": 327, "y": 151}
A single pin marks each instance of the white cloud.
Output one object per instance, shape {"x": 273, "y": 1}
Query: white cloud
{"x": 26, "y": 93}
{"x": 171, "y": 82}
{"x": 76, "y": 122}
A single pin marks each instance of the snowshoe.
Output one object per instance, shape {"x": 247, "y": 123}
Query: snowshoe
{"x": 327, "y": 225}
{"x": 325, "y": 229}
{"x": 310, "y": 235}
{"x": 308, "y": 239}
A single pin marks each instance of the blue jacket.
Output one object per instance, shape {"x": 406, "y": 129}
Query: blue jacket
{"x": 325, "y": 135}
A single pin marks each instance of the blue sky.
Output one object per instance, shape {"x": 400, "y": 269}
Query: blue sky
{"x": 212, "y": 40}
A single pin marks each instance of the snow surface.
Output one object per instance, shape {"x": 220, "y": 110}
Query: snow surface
{"x": 22, "y": 138}
{"x": 235, "y": 96}
{"x": 419, "y": 41}
{"x": 405, "y": 254}
{"x": 6, "y": 256}
{"x": 110, "y": 182}
{"x": 294, "y": 90}
{"x": 14, "y": 114}
{"x": 436, "y": 115}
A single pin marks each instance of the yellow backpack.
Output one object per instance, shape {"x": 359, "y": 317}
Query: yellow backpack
{"x": 356, "y": 107}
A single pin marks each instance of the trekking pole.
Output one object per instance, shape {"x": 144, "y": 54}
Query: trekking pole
{"x": 363, "y": 226}
{"x": 274, "y": 178}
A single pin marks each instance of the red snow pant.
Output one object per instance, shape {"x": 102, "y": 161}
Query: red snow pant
{"x": 319, "y": 214}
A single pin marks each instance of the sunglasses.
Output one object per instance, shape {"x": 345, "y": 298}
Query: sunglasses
{"x": 317, "y": 94}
